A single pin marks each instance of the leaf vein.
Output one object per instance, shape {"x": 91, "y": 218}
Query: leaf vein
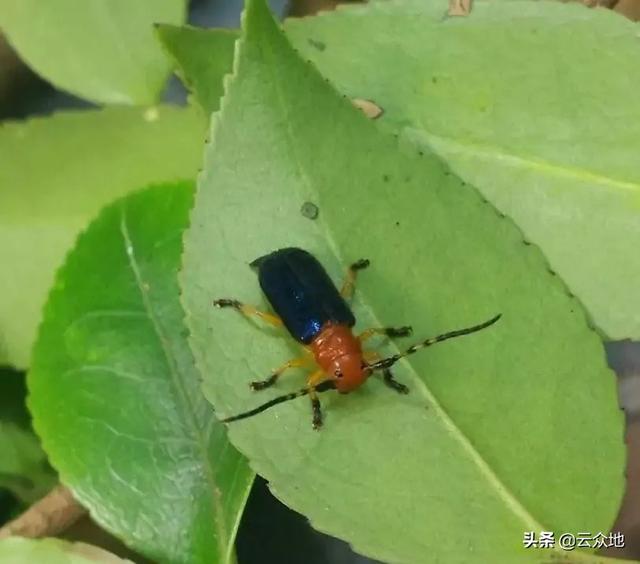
{"x": 490, "y": 152}
{"x": 178, "y": 384}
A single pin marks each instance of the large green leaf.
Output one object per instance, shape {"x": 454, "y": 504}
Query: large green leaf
{"x": 23, "y": 464}
{"x": 116, "y": 399}
{"x": 522, "y": 104}
{"x": 103, "y": 51}
{"x": 54, "y": 551}
{"x": 55, "y": 174}
{"x": 515, "y": 428}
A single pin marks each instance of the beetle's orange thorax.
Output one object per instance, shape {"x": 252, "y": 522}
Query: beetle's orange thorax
{"x": 339, "y": 353}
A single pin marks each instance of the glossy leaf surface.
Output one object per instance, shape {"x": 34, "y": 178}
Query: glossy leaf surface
{"x": 115, "y": 396}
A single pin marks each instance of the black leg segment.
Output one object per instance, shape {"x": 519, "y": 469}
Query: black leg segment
{"x": 263, "y": 384}
{"x": 398, "y": 331}
{"x": 225, "y": 302}
{"x": 390, "y": 381}
{"x": 391, "y": 332}
{"x": 360, "y": 265}
{"x": 317, "y": 412}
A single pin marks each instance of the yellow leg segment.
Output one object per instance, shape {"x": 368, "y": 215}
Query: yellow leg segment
{"x": 386, "y": 331}
{"x": 316, "y": 378}
{"x": 248, "y": 311}
{"x": 293, "y": 363}
{"x": 349, "y": 283}
{"x": 269, "y": 318}
{"x": 370, "y": 356}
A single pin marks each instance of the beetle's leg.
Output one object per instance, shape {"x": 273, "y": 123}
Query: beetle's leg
{"x": 248, "y": 311}
{"x": 316, "y": 378}
{"x": 390, "y": 381}
{"x": 388, "y": 331}
{"x": 370, "y": 356}
{"x": 271, "y": 380}
{"x": 349, "y": 283}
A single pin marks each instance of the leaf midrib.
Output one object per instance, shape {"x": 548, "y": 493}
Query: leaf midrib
{"x": 496, "y": 153}
{"x": 178, "y": 385}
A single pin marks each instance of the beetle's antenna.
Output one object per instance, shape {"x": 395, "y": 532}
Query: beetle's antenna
{"x": 322, "y": 387}
{"x": 390, "y": 361}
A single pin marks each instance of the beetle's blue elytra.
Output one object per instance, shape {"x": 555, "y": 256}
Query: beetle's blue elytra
{"x": 301, "y": 293}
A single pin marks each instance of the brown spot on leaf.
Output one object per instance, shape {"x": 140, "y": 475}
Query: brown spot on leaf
{"x": 368, "y": 107}
{"x": 459, "y": 7}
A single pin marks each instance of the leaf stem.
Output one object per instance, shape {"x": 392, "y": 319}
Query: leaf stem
{"x": 49, "y": 516}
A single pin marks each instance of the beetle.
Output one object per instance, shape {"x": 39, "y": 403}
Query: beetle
{"x": 317, "y": 315}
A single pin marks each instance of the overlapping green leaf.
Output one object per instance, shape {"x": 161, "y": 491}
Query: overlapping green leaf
{"x": 54, "y": 551}
{"x": 102, "y": 51}
{"x": 519, "y": 102}
{"x": 55, "y": 174}
{"x": 516, "y": 428}
{"x": 116, "y": 399}
{"x": 203, "y": 57}
{"x": 529, "y": 101}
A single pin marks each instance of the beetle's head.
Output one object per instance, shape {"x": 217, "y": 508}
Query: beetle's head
{"x": 350, "y": 372}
